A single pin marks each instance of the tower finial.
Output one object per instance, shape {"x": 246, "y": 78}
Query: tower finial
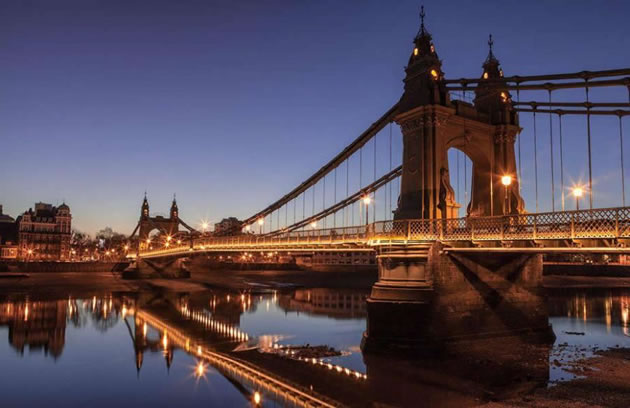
{"x": 490, "y": 42}
{"x": 422, "y": 18}
{"x": 174, "y": 196}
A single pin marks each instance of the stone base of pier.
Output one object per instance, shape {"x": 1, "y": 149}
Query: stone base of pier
{"x": 168, "y": 268}
{"x": 427, "y": 299}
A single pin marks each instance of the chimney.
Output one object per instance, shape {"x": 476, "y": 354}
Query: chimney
{"x": 0, "y": 209}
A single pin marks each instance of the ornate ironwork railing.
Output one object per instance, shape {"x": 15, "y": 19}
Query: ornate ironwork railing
{"x": 605, "y": 223}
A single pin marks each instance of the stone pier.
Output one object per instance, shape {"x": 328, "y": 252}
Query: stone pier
{"x": 165, "y": 268}
{"x": 426, "y": 298}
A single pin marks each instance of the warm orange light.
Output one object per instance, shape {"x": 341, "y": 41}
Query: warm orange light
{"x": 578, "y": 192}
{"x": 314, "y": 224}
{"x": 367, "y": 200}
{"x": 126, "y": 247}
{"x": 261, "y": 221}
{"x": 434, "y": 74}
{"x": 200, "y": 369}
{"x": 248, "y": 227}
{"x": 169, "y": 238}
{"x": 148, "y": 240}
{"x": 485, "y": 75}
{"x": 415, "y": 51}
{"x": 257, "y": 398}
{"x": 506, "y": 180}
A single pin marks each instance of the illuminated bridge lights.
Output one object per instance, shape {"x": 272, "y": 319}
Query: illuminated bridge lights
{"x": 286, "y": 352}
{"x": 258, "y": 379}
{"x": 604, "y": 223}
{"x": 208, "y": 322}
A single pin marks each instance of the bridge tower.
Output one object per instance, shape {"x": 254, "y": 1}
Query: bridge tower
{"x": 418, "y": 284}
{"x": 431, "y": 124}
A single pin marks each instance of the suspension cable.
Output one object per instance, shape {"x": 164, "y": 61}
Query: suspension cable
{"x": 345, "y": 215}
{"x": 374, "y": 179}
{"x": 553, "y": 189}
{"x": 520, "y": 172}
{"x": 335, "y": 199}
{"x": 561, "y": 162}
{"x": 457, "y": 184}
{"x": 535, "y": 160}
{"x": 324, "y": 199}
{"x": 588, "y": 136}
{"x": 390, "y": 169}
{"x": 623, "y": 181}
{"x": 303, "y": 204}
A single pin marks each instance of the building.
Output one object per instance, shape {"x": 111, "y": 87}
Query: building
{"x": 228, "y": 226}
{"x": 8, "y": 237}
{"x": 44, "y": 234}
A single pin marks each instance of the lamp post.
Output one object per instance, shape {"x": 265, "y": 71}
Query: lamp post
{"x": 261, "y": 221}
{"x": 366, "y": 202}
{"x": 506, "y": 181}
{"x": 577, "y": 193}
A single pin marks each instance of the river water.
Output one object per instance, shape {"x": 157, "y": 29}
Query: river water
{"x": 233, "y": 349}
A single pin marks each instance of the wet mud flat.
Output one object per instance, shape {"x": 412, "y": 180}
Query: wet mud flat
{"x": 234, "y": 279}
{"x": 602, "y": 380}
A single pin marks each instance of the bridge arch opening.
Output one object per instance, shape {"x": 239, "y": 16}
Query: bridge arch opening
{"x": 460, "y": 179}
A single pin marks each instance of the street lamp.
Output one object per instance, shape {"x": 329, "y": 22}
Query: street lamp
{"x": 577, "y": 193}
{"x": 261, "y": 221}
{"x": 506, "y": 181}
{"x": 366, "y": 201}
{"x": 314, "y": 224}
{"x": 204, "y": 226}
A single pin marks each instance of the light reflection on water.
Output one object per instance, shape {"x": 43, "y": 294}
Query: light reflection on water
{"x": 155, "y": 352}
{"x": 585, "y": 321}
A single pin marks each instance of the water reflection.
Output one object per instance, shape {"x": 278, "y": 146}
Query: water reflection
{"x": 38, "y": 325}
{"x": 252, "y": 341}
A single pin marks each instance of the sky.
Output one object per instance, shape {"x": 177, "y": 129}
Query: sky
{"x": 232, "y": 104}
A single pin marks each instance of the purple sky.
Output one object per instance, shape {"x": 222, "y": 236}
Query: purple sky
{"x": 230, "y": 104}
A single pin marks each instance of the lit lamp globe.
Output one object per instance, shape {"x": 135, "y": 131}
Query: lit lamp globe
{"x": 577, "y": 193}
{"x": 506, "y": 180}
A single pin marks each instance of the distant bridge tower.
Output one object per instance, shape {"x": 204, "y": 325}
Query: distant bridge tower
{"x": 167, "y": 226}
{"x": 431, "y": 124}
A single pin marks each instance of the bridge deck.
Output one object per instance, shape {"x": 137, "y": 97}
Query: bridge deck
{"x": 610, "y": 227}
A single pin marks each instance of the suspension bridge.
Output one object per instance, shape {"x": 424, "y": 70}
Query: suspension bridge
{"x": 348, "y": 204}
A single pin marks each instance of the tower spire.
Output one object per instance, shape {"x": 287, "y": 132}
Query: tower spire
{"x": 491, "y": 57}
{"x": 422, "y": 31}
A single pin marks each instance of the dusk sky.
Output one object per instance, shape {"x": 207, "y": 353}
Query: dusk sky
{"x": 230, "y": 104}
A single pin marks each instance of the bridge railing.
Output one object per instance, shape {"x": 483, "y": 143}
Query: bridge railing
{"x": 566, "y": 225}
{"x": 605, "y": 223}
